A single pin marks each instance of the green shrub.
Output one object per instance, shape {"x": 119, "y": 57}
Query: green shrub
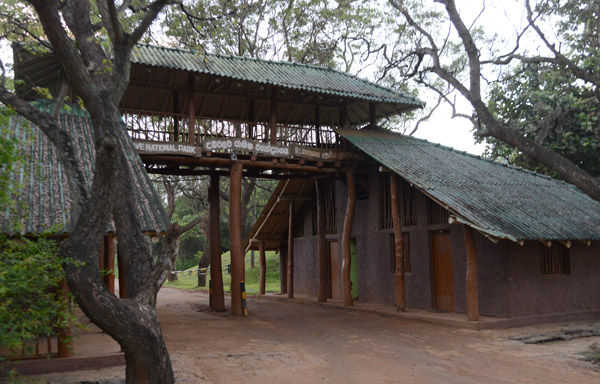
{"x": 29, "y": 278}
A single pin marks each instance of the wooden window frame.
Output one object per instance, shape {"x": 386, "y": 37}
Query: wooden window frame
{"x": 555, "y": 260}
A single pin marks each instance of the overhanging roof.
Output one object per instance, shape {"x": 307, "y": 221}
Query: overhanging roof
{"x": 161, "y": 78}
{"x": 499, "y": 200}
{"x": 41, "y": 191}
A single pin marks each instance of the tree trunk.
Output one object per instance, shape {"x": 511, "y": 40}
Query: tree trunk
{"x": 398, "y": 243}
{"x": 346, "y": 235}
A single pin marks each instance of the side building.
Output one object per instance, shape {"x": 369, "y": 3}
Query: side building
{"x": 536, "y": 238}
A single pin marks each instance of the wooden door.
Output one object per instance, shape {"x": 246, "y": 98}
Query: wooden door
{"x": 442, "y": 271}
{"x": 334, "y": 271}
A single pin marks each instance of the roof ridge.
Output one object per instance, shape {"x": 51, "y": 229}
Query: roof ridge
{"x": 480, "y": 157}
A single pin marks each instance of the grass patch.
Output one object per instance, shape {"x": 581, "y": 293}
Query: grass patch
{"x": 185, "y": 281}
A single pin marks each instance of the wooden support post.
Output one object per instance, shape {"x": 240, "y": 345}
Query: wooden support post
{"x": 398, "y": 243}
{"x": 346, "y": 256}
{"x": 372, "y": 116}
{"x": 214, "y": 234}
{"x": 471, "y": 283}
{"x": 273, "y": 134}
{"x": 318, "y": 126}
{"x": 235, "y": 238}
{"x": 290, "y": 253}
{"x": 192, "y": 110}
{"x": 122, "y": 275}
{"x": 263, "y": 268}
{"x": 344, "y": 123}
{"x": 251, "y": 117}
{"x": 65, "y": 342}
{"x": 322, "y": 241}
{"x": 175, "y": 136}
{"x": 283, "y": 267}
{"x": 109, "y": 262}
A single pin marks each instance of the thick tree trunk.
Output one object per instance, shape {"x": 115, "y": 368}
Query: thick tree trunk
{"x": 238, "y": 271}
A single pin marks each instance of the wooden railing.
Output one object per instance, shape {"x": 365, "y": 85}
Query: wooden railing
{"x": 168, "y": 127}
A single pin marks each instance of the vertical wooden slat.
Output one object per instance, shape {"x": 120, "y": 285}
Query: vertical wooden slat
{"x": 235, "y": 232}
{"x": 318, "y": 126}
{"x": 273, "y": 134}
{"x": 322, "y": 241}
{"x": 251, "y": 117}
{"x": 175, "y": 136}
{"x": 263, "y": 268}
{"x": 214, "y": 234}
{"x": 398, "y": 243}
{"x": 290, "y": 255}
{"x": 192, "y": 109}
{"x": 471, "y": 278}
{"x": 347, "y": 233}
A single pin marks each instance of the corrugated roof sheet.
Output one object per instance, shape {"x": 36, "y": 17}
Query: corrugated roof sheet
{"x": 499, "y": 200}
{"x": 41, "y": 189}
{"x": 282, "y": 74}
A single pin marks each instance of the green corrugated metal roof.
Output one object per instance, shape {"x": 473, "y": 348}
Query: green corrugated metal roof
{"x": 41, "y": 189}
{"x": 281, "y": 74}
{"x": 499, "y": 200}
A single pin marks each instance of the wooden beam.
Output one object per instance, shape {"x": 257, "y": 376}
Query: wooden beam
{"x": 273, "y": 134}
{"x": 235, "y": 238}
{"x": 471, "y": 278}
{"x": 347, "y": 233}
{"x": 281, "y": 199}
{"x": 251, "y": 106}
{"x": 269, "y": 213}
{"x": 192, "y": 109}
{"x": 322, "y": 241}
{"x": 290, "y": 253}
{"x": 176, "y": 117}
{"x": 372, "y": 115}
{"x": 398, "y": 243}
{"x": 214, "y": 240}
{"x": 263, "y": 268}
{"x": 344, "y": 123}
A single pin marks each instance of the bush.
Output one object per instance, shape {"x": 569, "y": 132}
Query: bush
{"x": 29, "y": 278}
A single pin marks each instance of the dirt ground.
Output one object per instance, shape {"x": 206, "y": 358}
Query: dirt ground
{"x": 289, "y": 342}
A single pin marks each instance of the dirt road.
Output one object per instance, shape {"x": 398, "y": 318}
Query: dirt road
{"x": 283, "y": 342}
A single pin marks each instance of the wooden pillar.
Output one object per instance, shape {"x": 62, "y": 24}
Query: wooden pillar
{"x": 346, "y": 256}
{"x": 122, "y": 275}
{"x": 214, "y": 234}
{"x": 283, "y": 268}
{"x": 398, "y": 243}
{"x": 273, "y": 134}
{"x": 251, "y": 117}
{"x": 290, "y": 255}
{"x": 101, "y": 258}
{"x": 322, "y": 241}
{"x": 263, "y": 268}
{"x": 192, "y": 109}
{"x": 109, "y": 262}
{"x": 372, "y": 114}
{"x": 235, "y": 237}
{"x": 176, "y": 118}
{"x": 65, "y": 342}
{"x": 318, "y": 126}
{"x": 471, "y": 283}
{"x": 344, "y": 123}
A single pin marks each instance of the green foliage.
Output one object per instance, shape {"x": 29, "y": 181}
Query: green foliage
{"x": 551, "y": 108}
{"x": 31, "y": 272}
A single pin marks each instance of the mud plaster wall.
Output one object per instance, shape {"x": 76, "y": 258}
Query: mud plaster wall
{"x": 533, "y": 293}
